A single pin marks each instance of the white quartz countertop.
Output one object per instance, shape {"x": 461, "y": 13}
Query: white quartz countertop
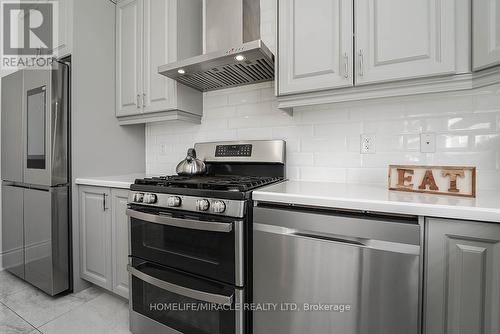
{"x": 114, "y": 181}
{"x": 376, "y": 198}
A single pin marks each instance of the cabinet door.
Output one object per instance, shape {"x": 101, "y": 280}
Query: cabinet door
{"x": 486, "y": 33}
{"x": 129, "y": 32}
{"x": 314, "y": 45}
{"x": 12, "y": 127}
{"x": 119, "y": 241}
{"x": 159, "y": 35}
{"x": 65, "y": 44}
{"x": 463, "y": 271}
{"x": 95, "y": 236}
{"x": 403, "y": 39}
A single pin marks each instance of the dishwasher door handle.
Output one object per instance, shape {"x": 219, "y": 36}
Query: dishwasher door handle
{"x": 373, "y": 244}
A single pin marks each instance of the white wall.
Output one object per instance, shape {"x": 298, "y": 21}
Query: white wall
{"x": 323, "y": 142}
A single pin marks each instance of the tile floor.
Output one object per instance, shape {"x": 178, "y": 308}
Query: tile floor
{"x": 25, "y": 309}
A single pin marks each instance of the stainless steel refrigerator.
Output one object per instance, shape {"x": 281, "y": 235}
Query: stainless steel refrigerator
{"x": 36, "y": 176}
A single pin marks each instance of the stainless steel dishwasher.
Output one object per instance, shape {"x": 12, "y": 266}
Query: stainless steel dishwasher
{"x": 318, "y": 271}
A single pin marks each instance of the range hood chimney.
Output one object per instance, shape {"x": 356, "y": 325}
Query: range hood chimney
{"x": 234, "y": 53}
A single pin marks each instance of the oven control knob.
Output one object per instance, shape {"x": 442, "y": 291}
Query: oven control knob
{"x": 174, "y": 201}
{"x": 138, "y": 197}
{"x": 202, "y": 205}
{"x": 219, "y": 206}
{"x": 150, "y": 198}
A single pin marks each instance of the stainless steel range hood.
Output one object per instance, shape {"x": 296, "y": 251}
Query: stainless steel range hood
{"x": 234, "y": 53}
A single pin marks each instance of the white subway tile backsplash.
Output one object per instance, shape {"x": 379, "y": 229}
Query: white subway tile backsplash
{"x": 389, "y": 143}
{"x": 452, "y": 142}
{"x": 412, "y": 142}
{"x": 255, "y": 133}
{"x": 490, "y": 142}
{"x": 332, "y": 144}
{"x": 487, "y": 102}
{"x": 377, "y": 111}
{"x": 354, "y": 143}
{"x": 337, "y": 159}
{"x": 249, "y": 109}
{"x": 294, "y": 131}
{"x": 243, "y": 97}
{"x": 221, "y": 112}
{"x": 448, "y": 104}
{"x": 293, "y": 173}
{"x": 300, "y": 159}
{"x": 337, "y": 129}
{"x": 482, "y": 160}
{"x": 213, "y": 101}
{"x": 472, "y": 122}
{"x": 488, "y": 179}
{"x": 367, "y": 175}
{"x": 323, "y": 174}
{"x": 381, "y": 160}
{"x": 323, "y": 142}
{"x": 394, "y": 127}
{"x": 310, "y": 115}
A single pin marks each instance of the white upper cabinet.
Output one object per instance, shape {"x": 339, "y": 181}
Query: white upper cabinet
{"x": 486, "y": 33}
{"x": 403, "y": 39}
{"x": 159, "y": 91}
{"x": 65, "y": 32}
{"x": 150, "y": 33}
{"x": 315, "y": 45}
{"x": 128, "y": 57}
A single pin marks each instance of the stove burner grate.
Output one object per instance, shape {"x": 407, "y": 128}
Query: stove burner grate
{"x": 222, "y": 182}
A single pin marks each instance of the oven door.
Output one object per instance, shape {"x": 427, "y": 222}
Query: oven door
{"x": 167, "y": 301}
{"x": 208, "y": 247}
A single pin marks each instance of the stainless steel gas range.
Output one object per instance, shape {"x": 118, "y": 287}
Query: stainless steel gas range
{"x": 190, "y": 241}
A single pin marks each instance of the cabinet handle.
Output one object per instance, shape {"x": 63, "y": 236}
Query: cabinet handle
{"x": 346, "y": 65}
{"x": 144, "y": 100}
{"x": 138, "y": 101}
{"x": 361, "y": 63}
{"x": 104, "y": 208}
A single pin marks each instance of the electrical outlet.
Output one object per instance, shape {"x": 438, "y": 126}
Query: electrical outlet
{"x": 427, "y": 142}
{"x": 367, "y": 144}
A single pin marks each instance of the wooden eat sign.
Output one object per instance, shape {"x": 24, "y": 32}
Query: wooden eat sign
{"x": 442, "y": 180}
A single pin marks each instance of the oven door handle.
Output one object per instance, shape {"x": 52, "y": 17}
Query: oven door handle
{"x": 180, "y": 290}
{"x": 179, "y": 222}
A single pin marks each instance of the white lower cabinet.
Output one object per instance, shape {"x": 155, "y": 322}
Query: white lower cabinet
{"x": 119, "y": 241}
{"x": 462, "y": 274}
{"x": 104, "y": 237}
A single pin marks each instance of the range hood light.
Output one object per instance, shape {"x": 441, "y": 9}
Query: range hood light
{"x": 240, "y": 57}
{"x": 181, "y": 71}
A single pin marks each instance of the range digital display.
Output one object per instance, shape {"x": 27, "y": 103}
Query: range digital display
{"x": 233, "y": 150}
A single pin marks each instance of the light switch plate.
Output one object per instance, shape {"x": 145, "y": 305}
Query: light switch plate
{"x": 367, "y": 144}
{"x": 427, "y": 142}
